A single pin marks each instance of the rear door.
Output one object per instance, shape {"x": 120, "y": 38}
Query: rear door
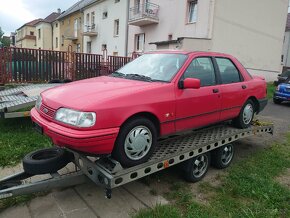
{"x": 233, "y": 88}
{"x": 198, "y": 107}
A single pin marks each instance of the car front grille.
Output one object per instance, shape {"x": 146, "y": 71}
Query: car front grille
{"x": 47, "y": 111}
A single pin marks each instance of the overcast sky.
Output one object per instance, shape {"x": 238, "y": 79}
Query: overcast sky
{"x": 15, "y": 13}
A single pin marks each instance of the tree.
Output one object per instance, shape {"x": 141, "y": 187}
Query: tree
{"x": 4, "y": 40}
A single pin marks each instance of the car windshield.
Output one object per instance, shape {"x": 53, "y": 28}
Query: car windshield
{"x": 152, "y": 67}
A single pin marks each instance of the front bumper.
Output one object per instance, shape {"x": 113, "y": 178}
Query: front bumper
{"x": 262, "y": 104}
{"x": 282, "y": 96}
{"x": 89, "y": 141}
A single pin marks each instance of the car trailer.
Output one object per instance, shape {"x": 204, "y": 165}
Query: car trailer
{"x": 191, "y": 151}
{"x": 15, "y": 99}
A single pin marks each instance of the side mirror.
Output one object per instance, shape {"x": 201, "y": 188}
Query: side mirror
{"x": 189, "y": 83}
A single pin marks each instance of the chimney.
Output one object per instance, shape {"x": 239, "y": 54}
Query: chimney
{"x": 59, "y": 10}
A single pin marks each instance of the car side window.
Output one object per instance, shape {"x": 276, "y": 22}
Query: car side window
{"x": 201, "y": 68}
{"x": 229, "y": 72}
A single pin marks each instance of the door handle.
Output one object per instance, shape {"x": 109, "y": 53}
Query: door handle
{"x": 244, "y": 86}
{"x": 215, "y": 90}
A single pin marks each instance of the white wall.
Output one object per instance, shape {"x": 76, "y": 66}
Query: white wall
{"x": 45, "y": 40}
{"x": 253, "y": 31}
{"x": 56, "y": 33}
{"x": 105, "y": 27}
{"x": 173, "y": 20}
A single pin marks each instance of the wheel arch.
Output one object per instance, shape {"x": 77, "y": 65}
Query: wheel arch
{"x": 255, "y": 101}
{"x": 150, "y": 116}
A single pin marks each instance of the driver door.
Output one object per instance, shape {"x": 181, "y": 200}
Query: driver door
{"x": 198, "y": 107}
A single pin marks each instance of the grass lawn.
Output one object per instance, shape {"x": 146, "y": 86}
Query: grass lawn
{"x": 270, "y": 90}
{"x": 17, "y": 138}
{"x": 249, "y": 189}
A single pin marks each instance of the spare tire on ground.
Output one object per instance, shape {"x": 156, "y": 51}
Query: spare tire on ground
{"x": 48, "y": 160}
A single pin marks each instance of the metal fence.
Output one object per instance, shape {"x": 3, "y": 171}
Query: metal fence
{"x": 21, "y": 65}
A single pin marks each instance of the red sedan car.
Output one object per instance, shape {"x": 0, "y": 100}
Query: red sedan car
{"x": 157, "y": 94}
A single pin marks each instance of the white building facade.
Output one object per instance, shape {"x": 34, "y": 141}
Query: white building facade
{"x": 105, "y": 27}
{"x": 252, "y": 31}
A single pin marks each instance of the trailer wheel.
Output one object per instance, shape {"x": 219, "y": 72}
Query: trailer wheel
{"x": 48, "y": 160}
{"x": 223, "y": 156}
{"x": 196, "y": 168}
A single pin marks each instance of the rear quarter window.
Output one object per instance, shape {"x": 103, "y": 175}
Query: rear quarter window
{"x": 228, "y": 71}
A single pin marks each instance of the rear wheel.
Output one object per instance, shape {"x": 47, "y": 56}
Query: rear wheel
{"x": 246, "y": 115}
{"x": 223, "y": 156}
{"x": 136, "y": 142}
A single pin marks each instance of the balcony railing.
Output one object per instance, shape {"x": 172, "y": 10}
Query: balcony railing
{"x": 90, "y": 30}
{"x": 144, "y": 14}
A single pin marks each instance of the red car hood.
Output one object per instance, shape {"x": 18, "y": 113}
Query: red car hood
{"x": 82, "y": 94}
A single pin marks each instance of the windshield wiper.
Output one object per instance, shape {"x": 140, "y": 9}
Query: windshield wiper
{"x": 139, "y": 77}
{"x": 118, "y": 74}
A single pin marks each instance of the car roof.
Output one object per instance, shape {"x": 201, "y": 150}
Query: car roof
{"x": 187, "y": 52}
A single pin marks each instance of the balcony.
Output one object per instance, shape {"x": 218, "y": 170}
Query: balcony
{"x": 144, "y": 14}
{"x": 90, "y": 30}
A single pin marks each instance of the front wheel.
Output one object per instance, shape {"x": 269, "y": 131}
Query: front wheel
{"x": 136, "y": 142}
{"x": 246, "y": 115}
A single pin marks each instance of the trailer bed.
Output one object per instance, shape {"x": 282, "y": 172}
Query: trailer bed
{"x": 109, "y": 174}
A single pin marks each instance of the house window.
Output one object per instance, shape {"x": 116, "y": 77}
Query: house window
{"x": 88, "y": 19}
{"x": 192, "y": 11}
{"x": 89, "y": 47}
{"x": 76, "y": 28}
{"x": 116, "y": 28}
{"x": 104, "y": 47}
{"x": 137, "y": 6}
{"x": 56, "y": 42}
{"x": 62, "y": 22}
{"x": 31, "y": 33}
{"x": 116, "y": 1}
{"x": 170, "y": 37}
{"x": 39, "y": 33}
{"x": 62, "y": 40}
{"x": 56, "y": 25}
{"x": 115, "y": 53}
{"x": 105, "y": 15}
{"x": 139, "y": 42}
{"x": 78, "y": 47}
{"x": 92, "y": 18}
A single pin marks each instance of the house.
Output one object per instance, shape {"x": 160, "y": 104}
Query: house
{"x": 252, "y": 31}
{"x": 26, "y": 35}
{"x": 286, "y": 45}
{"x": 105, "y": 27}
{"x": 70, "y": 27}
{"x": 44, "y": 32}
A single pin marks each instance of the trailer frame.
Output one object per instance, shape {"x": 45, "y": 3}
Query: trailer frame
{"x": 109, "y": 174}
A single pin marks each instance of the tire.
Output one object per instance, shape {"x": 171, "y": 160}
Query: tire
{"x": 44, "y": 161}
{"x": 196, "y": 168}
{"x": 138, "y": 129}
{"x": 244, "y": 120}
{"x": 66, "y": 81}
{"x": 54, "y": 81}
{"x": 277, "y": 101}
{"x": 222, "y": 157}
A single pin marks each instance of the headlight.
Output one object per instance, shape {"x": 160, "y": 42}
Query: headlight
{"x": 38, "y": 103}
{"x": 76, "y": 118}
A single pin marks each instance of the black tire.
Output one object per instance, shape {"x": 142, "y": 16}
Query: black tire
{"x": 66, "y": 81}
{"x": 119, "y": 152}
{"x": 277, "y": 101}
{"x": 222, "y": 157}
{"x": 44, "y": 161}
{"x": 239, "y": 121}
{"x": 190, "y": 166}
{"x": 54, "y": 81}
